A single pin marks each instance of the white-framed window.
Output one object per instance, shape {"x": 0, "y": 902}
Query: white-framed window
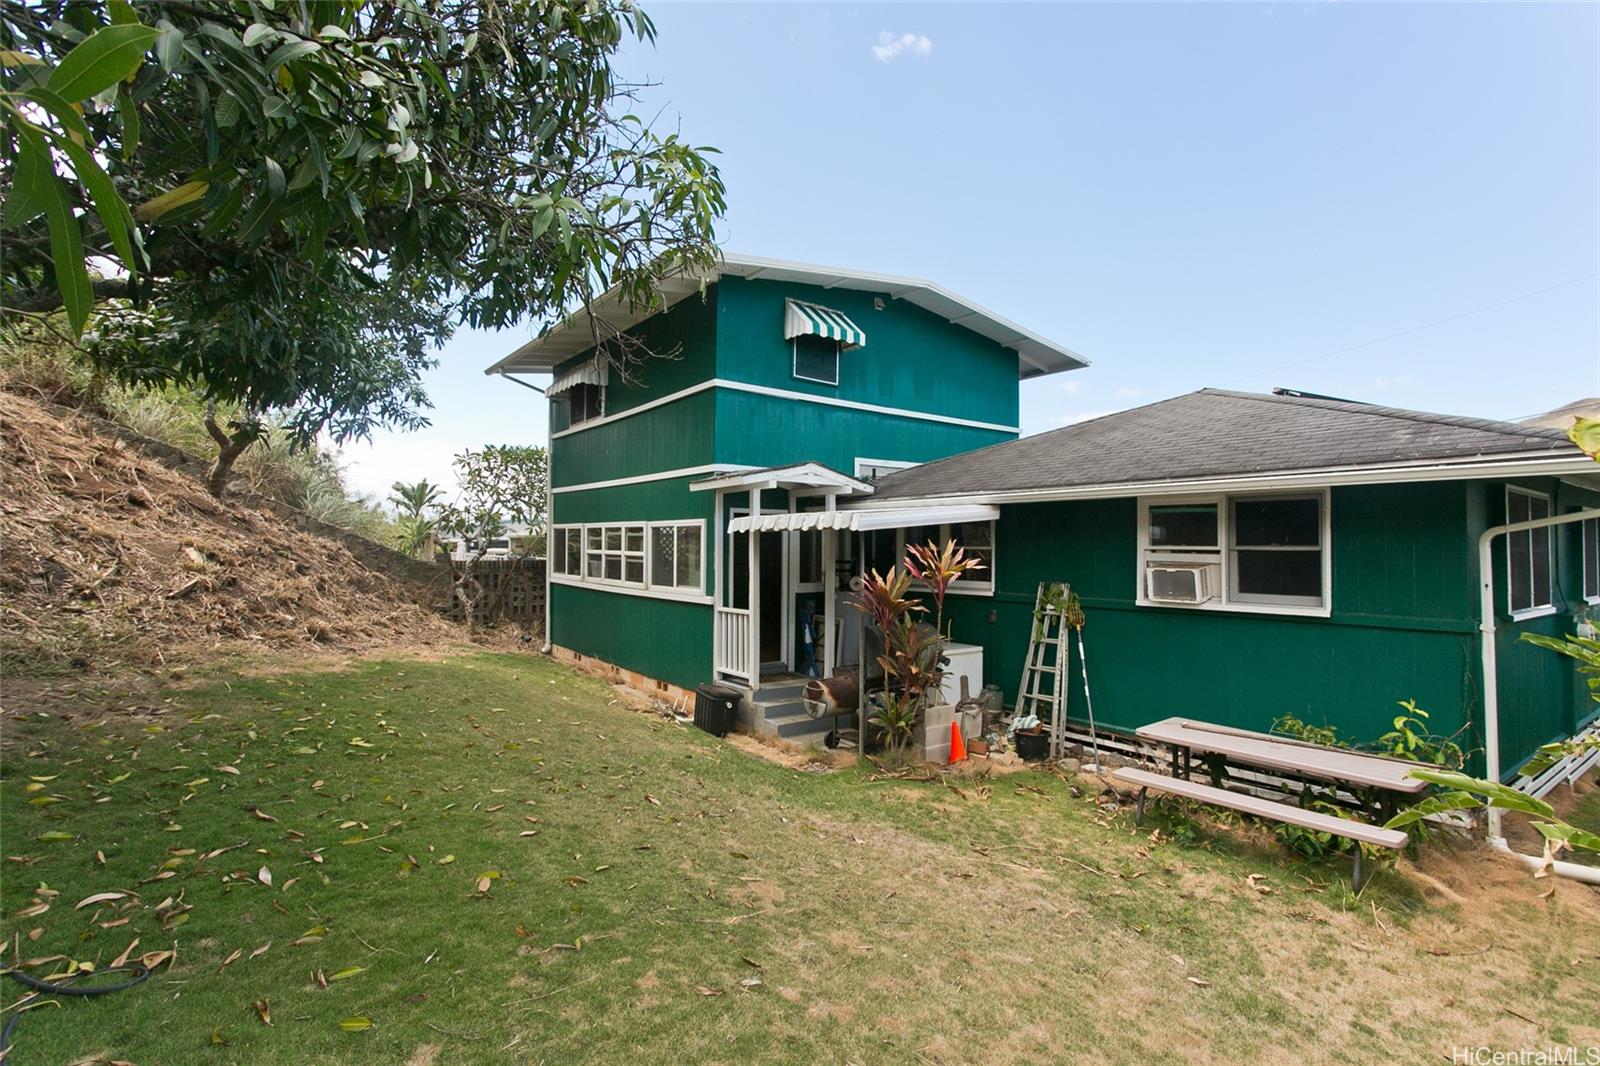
{"x": 1260, "y": 553}
{"x": 585, "y": 402}
{"x": 816, "y": 359}
{"x": 975, "y": 538}
{"x": 566, "y": 551}
{"x": 1528, "y": 554}
{"x": 1590, "y": 542}
{"x": 663, "y": 559}
{"x": 870, "y": 470}
{"x": 614, "y": 553}
{"x": 678, "y": 556}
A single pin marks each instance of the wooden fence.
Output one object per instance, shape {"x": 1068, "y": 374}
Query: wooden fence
{"x": 508, "y": 590}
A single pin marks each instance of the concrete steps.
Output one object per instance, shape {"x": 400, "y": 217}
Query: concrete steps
{"x": 775, "y": 710}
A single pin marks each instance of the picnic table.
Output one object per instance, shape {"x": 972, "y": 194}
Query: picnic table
{"x": 1378, "y": 781}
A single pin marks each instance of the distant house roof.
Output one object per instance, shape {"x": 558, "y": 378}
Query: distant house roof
{"x": 1561, "y": 418}
{"x": 572, "y": 335}
{"x": 1216, "y": 440}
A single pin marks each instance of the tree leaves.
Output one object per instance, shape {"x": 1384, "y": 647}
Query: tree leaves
{"x": 102, "y": 59}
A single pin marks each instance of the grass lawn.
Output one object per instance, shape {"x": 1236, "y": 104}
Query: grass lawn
{"x": 494, "y": 859}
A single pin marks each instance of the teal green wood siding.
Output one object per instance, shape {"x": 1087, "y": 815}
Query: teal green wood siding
{"x": 755, "y": 430}
{"x": 662, "y": 639}
{"x": 1403, "y": 625}
{"x": 673, "y": 436}
{"x": 912, "y": 359}
{"x": 684, "y": 339}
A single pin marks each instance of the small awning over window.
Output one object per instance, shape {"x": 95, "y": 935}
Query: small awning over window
{"x": 802, "y": 318}
{"x": 866, "y": 518}
{"x": 588, "y": 372}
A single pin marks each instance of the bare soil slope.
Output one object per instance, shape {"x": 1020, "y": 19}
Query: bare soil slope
{"x": 110, "y": 559}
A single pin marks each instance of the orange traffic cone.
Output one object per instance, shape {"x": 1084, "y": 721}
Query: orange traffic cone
{"x": 958, "y": 747}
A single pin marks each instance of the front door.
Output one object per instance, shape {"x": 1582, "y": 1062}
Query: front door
{"x": 773, "y": 570}
{"x": 770, "y": 614}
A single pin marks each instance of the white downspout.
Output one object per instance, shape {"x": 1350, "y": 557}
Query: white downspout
{"x": 549, "y": 522}
{"x": 1491, "y": 694}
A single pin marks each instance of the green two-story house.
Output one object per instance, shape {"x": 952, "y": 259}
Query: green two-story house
{"x": 771, "y": 388}
{"x": 1240, "y": 556}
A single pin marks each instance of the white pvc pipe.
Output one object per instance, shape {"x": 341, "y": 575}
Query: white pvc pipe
{"x": 1589, "y": 875}
{"x": 1486, "y": 628}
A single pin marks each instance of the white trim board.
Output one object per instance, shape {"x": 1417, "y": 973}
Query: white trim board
{"x": 660, "y": 475}
{"x": 1489, "y": 468}
{"x": 631, "y": 590}
{"x": 785, "y": 394}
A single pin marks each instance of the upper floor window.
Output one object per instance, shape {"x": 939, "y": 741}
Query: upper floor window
{"x": 1527, "y": 554}
{"x": 818, "y": 334}
{"x": 816, "y": 359}
{"x": 585, "y": 402}
{"x": 1247, "y": 553}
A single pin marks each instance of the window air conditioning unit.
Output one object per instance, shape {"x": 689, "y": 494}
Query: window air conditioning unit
{"x": 1181, "y": 582}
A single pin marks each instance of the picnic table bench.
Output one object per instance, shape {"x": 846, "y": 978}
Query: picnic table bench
{"x": 1384, "y": 778}
{"x": 1388, "y": 779}
{"x": 1348, "y": 828}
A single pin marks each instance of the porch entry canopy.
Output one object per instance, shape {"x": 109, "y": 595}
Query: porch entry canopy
{"x": 801, "y": 318}
{"x": 823, "y": 480}
{"x": 865, "y": 520}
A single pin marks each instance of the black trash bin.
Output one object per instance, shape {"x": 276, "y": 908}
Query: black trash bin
{"x": 715, "y": 707}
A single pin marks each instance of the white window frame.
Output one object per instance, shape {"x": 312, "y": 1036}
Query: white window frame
{"x": 862, "y": 464}
{"x": 966, "y": 586}
{"x": 559, "y": 535}
{"x": 643, "y": 587}
{"x": 794, "y": 362}
{"x": 1589, "y": 544}
{"x": 1548, "y": 607}
{"x": 670, "y": 584}
{"x": 1226, "y": 598}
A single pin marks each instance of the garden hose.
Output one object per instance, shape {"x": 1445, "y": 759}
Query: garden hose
{"x": 64, "y": 988}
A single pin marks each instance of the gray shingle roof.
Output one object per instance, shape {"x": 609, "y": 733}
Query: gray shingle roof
{"x": 1219, "y": 433}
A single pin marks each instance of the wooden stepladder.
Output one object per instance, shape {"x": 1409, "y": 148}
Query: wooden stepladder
{"x": 1043, "y": 689}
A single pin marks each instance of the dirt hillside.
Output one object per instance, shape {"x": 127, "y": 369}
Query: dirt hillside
{"x": 109, "y": 559}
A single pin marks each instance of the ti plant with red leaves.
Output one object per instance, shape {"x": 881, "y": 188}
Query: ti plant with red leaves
{"x": 912, "y": 650}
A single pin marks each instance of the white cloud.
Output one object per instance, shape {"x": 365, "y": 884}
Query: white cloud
{"x": 1128, "y": 392}
{"x": 1070, "y": 387}
{"x": 891, "y": 47}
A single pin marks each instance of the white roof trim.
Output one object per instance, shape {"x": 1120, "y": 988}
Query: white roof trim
{"x": 864, "y": 520}
{"x": 801, "y": 475}
{"x": 572, "y": 335}
{"x": 1466, "y": 470}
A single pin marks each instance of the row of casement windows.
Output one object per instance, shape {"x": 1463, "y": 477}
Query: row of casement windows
{"x": 1529, "y": 571}
{"x": 645, "y": 555}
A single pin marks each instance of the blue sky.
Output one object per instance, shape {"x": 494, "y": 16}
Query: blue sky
{"x": 1187, "y": 195}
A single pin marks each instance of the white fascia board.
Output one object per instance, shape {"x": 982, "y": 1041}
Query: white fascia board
{"x": 565, "y": 339}
{"x": 1496, "y": 467}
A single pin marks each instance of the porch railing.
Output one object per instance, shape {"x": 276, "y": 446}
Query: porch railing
{"x": 734, "y": 646}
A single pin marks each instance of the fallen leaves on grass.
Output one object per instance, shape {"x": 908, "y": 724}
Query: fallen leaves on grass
{"x": 357, "y": 1024}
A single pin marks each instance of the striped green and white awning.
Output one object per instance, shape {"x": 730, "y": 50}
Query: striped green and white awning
{"x": 802, "y": 318}
{"x": 589, "y": 372}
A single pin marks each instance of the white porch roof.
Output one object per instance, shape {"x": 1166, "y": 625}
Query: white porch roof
{"x": 864, "y": 521}
{"x": 795, "y": 476}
